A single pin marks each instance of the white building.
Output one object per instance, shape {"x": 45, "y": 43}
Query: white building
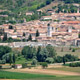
{"x": 50, "y": 30}
{"x": 69, "y": 29}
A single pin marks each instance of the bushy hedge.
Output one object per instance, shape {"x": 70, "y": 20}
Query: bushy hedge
{"x": 49, "y": 60}
{"x": 74, "y": 64}
{"x": 58, "y": 59}
{"x": 24, "y": 65}
{"x": 34, "y": 62}
{"x": 2, "y": 61}
{"x": 44, "y": 65}
{"x": 66, "y": 58}
{"x": 0, "y": 66}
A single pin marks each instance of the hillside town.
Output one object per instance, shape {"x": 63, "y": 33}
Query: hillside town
{"x": 57, "y": 29}
{"x": 39, "y": 39}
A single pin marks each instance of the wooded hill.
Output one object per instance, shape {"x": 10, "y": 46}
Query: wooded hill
{"x": 16, "y": 9}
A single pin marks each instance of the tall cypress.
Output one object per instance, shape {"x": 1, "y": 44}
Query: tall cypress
{"x": 37, "y": 33}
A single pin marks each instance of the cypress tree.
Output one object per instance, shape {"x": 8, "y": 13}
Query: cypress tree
{"x": 5, "y": 37}
{"x": 37, "y": 33}
{"x": 14, "y": 59}
{"x": 10, "y": 59}
{"x": 30, "y": 38}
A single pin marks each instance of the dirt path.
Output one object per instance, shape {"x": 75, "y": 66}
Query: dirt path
{"x": 46, "y": 71}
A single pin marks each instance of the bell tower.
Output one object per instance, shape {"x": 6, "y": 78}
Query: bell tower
{"x": 69, "y": 29}
{"x": 49, "y": 30}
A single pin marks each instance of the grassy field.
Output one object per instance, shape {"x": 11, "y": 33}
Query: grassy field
{"x": 72, "y": 69}
{"x": 16, "y": 75}
{"x": 28, "y": 76}
{"x": 72, "y": 53}
{"x": 20, "y": 60}
{"x": 67, "y": 51}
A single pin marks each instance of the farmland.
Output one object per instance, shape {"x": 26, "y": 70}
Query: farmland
{"x": 16, "y": 75}
{"x": 72, "y": 69}
{"x": 28, "y": 76}
{"x": 61, "y": 51}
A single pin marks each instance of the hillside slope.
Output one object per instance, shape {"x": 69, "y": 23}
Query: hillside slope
{"x": 53, "y": 4}
{"x": 16, "y": 9}
{"x": 13, "y": 11}
{"x": 19, "y": 5}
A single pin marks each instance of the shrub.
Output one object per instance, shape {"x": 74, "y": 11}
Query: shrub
{"x": 0, "y": 66}
{"x": 73, "y": 50}
{"x": 74, "y": 64}
{"x": 44, "y": 65}
{"x": 2, "y": 61}
{"x": 13, "y": 66}
{"x": 49, "y": 60}
{"x": 30, "y": 66}
{"x": 62, "y": 50}
{"x": 24, "y": 65}
{"x": 69, "y": 57}
{"x": 34, "y": 62}
{"x": 58, "y": 59}
{"x": 70, "y": 48}
{"x": 10, "y": 27}
{"x": 48, "y": 2}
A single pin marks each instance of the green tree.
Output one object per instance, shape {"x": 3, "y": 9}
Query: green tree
{"x": 24, "y": 65}
{"x": 38, "y": 51}
{"x": 10, "y": 39}
{"x": 61, "y": 49}
{"x": 42, "y": 55}
{"x": 10, "y": 59}
{"x": 64, "y": 60}
{"x": 49, "y": 60}
{"x": 5, "y": 37}
{"x": 30, "y": 38}
{"x": 58, "y": 59}
{"x": 51, "y": 50}
{"x": 48, "y": 2}
{"x": 70, "y": 48}
{"x": 4, "y": 50}
{"x": 44, "y": 65}
{"x": 73, "y": 50}
{"x": 14, "y": 59}
{"x": 78, "y": 35}
{"x": 10, "y": 27}
{"x": 34, "y": 62}
{"x": 37, "y": 33}
{"x": 24, "y": 34}
{"x": 29, "y": 52}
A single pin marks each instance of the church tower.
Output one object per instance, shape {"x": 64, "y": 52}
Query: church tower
{"x": 50, "y": 30}
{"x": 78, "y": 11}
{"x": 69, "y": 29}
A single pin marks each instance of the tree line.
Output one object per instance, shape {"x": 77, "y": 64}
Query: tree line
{"x": 35, "y": 54}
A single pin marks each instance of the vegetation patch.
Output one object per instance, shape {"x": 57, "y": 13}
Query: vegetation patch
{"x": 16, "y": 75}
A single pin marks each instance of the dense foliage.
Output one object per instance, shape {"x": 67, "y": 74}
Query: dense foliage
{"x": 41, "y": 54}
{"x": 26, "y": 76}
{"x": 29, "y": 52}
{"x": 16, "y": 10}
{"x": 4, "y": 50}
{"x": 66, "y": 58}
{"x": 34, "y": 55}
{"x": 77, "y": 64}
{"x": 67, "y": 8}
{"x": 71, "y": 1}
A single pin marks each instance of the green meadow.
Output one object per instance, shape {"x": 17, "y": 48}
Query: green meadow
{"x": 28, "y": 76}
